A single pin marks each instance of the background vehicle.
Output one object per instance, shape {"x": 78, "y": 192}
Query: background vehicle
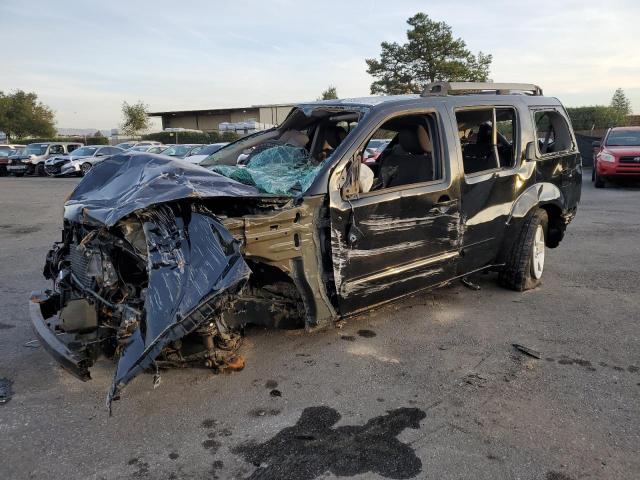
{"x": 148, "y": 148}
{"x": 79, "y": 161}
{"x": 131, "y": 144}
{"x": 618, "y": 155}
{"x": 180, "y": 150}
{"x": 200, "y": 153}
{"x": 374, "y": 149}
{"x": 7, "y": 150}
{"x": 35, "y": 154}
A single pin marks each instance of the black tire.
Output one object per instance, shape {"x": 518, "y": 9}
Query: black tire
{"x": 84, "y": 168}
{"x": 517, "y": 274}
{"x": 18, "y": 174}
{"x": 598, "y": 181}
{"x": 40, "y": 170}
{"x": 593, "y": 173}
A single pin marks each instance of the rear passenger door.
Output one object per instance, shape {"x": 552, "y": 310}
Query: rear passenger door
{"x": 403, "y": 234}
{"x": 489, "y": 149}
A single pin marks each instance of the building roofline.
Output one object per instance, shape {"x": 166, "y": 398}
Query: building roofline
{"x": 219, "y": 110}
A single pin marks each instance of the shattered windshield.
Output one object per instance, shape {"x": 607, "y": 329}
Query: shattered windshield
{"x": 285, "y": 161}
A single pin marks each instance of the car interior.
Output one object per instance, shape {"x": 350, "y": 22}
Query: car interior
{"x": 552, "y": 131}
{"x": 409, "y": 157}
{"x": 476, "y": 130}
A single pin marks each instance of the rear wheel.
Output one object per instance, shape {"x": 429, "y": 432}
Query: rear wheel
{"x": 525, "y": 262}
{"x": 598, "y": 181}
{"x": 40, "y": 170}
{"x": 84, "y": 168}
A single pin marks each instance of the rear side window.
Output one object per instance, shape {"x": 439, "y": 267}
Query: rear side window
{"x": 71, "y": 148}
{"x": 487, "y": 138}
{"x": 552, "y": 132}
{"x": 56, "y": 149}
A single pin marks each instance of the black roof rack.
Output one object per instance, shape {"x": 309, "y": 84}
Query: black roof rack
{"x": 462, "y": 88}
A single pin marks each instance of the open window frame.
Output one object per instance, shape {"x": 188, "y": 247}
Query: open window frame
{"x": 498, "y": 170}
{"x": 436, "y": 132}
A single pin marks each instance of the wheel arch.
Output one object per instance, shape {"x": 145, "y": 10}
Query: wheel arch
{"x": 546, "y": 196}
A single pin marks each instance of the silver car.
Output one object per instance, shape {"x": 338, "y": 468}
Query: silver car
{"x": 80, "y": 161}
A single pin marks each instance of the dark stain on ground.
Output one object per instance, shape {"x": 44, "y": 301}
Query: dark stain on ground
{"x": 211, "y": 445}
{"x": 6, "y": 326}
{"x": 19, "y": 230}
{"x": 5, "y": 390}
{"x": 270, "y": 384}
{"x": 142, "y": 467}
{"x": 209, "y": 423}
{"x": 551, "y": 475}
{"x": 348, "y": 338}
{"x": 633, "y": 369}
{"x": 366, "y": 333}
{"x": 173, "y": 455}
{"x": 564, "y": 360}
{"x": 313, "y": 447}
{"x": 275, "y": 393}
{"x": 261, "y": 412}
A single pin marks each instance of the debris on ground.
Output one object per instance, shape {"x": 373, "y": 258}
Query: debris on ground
{"x": 527, "y": 351}
{"x": 35, "y": 343}
{"x": 469, "y": 284}
{"x": 5, "y": 390}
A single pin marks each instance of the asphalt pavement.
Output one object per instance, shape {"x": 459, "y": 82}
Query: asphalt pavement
{"x": 430, "y": 387}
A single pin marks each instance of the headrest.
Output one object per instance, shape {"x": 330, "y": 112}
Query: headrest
{"x": 335, "y": 135}
{"x": 295, "y": 138}
{"x": 415, "y": 140}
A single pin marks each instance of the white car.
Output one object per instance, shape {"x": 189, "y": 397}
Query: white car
{"x": 200, "y": 153}
{"x": 80, "y": 161}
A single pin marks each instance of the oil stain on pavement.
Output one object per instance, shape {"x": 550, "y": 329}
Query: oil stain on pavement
{"x": 313, "y": 447}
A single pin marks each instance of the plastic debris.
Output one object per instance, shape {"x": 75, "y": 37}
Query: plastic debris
{"x": 527, "y": 351}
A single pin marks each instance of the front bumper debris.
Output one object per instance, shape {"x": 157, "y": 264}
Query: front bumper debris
{"x": 41, "y": 307}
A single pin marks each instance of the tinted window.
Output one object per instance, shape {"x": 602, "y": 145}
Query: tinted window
{"x": 71, "y": 148}
{"x": 56, "y": 149}
{"x": 552, "y": 132}
{"x": 623, "y": 138}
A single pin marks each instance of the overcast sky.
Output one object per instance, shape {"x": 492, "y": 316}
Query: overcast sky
{"x": 84, "y": 58}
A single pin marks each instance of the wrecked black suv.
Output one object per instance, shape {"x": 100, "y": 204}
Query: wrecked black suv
{"x": 162, "y": 264}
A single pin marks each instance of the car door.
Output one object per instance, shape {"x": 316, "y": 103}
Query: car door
{"x": 392, "y": 241}
{"x": 489, "y": 149}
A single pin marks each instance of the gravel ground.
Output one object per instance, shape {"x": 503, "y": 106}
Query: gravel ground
{"x": 430, "y": 387}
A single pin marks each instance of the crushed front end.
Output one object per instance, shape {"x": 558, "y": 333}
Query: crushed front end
{"x": 147, "y": 292}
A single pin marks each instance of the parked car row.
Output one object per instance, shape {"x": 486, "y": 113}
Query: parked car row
{"x": 71, "y": 158}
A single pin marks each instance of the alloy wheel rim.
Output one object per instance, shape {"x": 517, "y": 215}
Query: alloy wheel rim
{"x": 537, "y": 258}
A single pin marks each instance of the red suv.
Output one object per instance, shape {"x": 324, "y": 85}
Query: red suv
{"x": 618, "y": 155}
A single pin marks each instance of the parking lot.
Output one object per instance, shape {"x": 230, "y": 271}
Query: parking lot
{"x": 431, "y": 386}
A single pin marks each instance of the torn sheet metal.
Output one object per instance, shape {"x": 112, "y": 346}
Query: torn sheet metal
{"x": 192, "y": 261}
{"x": 125, "y": 183}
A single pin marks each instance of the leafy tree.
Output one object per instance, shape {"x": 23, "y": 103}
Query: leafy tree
{"x": 98, "y": 134}
{"x": 22, "y": 115}
{"x": 430, "y": 54}
{"x": 331, "y": 93}
{"x": 621, "y": 105}
{"x": 135, "y": 119}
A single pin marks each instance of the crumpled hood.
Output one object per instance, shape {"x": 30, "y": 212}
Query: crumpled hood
{"x": 124, "y": 183}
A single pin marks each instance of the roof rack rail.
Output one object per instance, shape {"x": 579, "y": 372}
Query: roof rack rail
{"x": 462, "y": 88}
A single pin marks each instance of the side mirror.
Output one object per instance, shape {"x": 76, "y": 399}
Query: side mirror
{"x": 595, "y": 144}
{"x": 530, "y": 152}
